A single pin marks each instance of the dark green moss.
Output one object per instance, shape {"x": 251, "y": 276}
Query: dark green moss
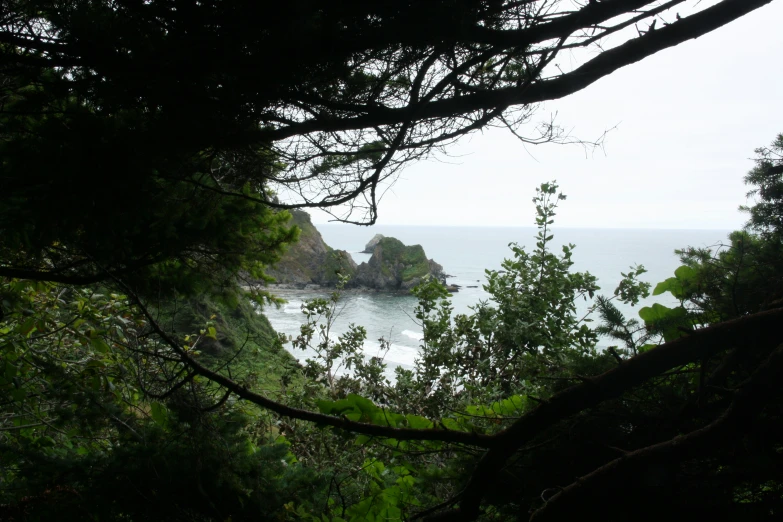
{"x": 335, "y": 264}
{"x": 412, "y": 259}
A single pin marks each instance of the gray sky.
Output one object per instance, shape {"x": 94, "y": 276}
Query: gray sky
{"x": 688, "y": 120}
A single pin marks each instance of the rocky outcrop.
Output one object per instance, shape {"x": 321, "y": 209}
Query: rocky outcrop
{"x": 392, "y": 267}
{"x": 310, "y": 260}
{"x": 370, "y": 246}
{"x": 395, "y": 266}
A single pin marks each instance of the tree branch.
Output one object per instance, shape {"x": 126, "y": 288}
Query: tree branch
{"x": 604, "y": 64}
{"x": 749, "y": 400}
{"x": 471, "y": 439}
{"x": 761, "y": 330}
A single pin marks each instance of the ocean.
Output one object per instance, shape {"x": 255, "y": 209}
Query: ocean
{"x": 465, "y": 252}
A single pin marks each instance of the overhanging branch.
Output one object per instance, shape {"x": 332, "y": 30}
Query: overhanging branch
{"x": 471, "y": 439}
{"x": 604, "y": 64}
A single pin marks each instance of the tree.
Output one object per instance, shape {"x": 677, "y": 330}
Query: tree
{"x": 766, "y": 216}
{"x": 87, "y": 199}
{"x": 744, "y": 276}
{"x": 694, "y": 415}
{"x": 153, "y": 114}
{"x": 92, "y": 427}
{"x": 148, "y": 147}
{"x": 685, "y": 418}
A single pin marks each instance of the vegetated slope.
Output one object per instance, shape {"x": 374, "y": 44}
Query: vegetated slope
{"x": 242, "y": 336}
{"x": 310, "y": 260}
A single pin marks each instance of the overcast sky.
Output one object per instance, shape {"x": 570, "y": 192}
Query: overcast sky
{"x": 687, "y": 121}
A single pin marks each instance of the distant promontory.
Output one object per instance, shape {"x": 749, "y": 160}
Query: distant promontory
{"x": 310, "y": 261}
{"x": 393, "y": 266}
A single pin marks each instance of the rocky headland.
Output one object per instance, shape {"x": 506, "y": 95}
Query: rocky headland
{"x": 393, "y": 267}
{"x": 310, "y": 261}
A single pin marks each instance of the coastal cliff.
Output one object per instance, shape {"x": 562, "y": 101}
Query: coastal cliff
{"x": 310, "y": 260}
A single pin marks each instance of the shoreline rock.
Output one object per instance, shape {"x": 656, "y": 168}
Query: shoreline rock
{"x": 396, "y": 266}
{"x": 393, "y": 267}
{"x": 370, "y": 246}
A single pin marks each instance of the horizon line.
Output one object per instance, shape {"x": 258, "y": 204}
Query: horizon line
{"x": 337, "y": 223}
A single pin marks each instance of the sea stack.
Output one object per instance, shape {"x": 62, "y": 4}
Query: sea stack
{"x": 370, "y": 246}
{"x": 395, "y": 266}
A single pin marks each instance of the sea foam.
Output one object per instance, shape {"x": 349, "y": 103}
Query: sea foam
{"x": 413, "y": 335}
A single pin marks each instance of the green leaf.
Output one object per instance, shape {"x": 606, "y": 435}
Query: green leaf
{"x": 27, "y": 327}
{"x": 451, "y": 424}
{"x": 513, "y": 405}
{"x": 671, "y": 322}
{"x": 384, "y": 417}
{"x": 677, "y": 284}
{"x": 417, "y": 422}
{"x": 364, "y": 405}
{"x": 99, "y": 345}
{"x": 655, "y": 313}
{"x": 325, "y": 407}
{"x": 685, "y": 273}
{"x": 664, "y": 286}
{"x": 159, "y": 413}
{"x": 340, "y": 407}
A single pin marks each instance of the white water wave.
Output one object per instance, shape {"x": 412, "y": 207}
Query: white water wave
{"x": 293, "y": 307}
{"x": 413, "y": 335}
